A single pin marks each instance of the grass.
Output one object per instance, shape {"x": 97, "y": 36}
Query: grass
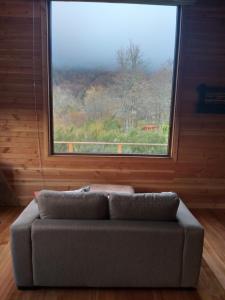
{"x": 111, "y": 130}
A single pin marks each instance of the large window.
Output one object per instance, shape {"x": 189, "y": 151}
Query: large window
{"x": 112, "y": 77}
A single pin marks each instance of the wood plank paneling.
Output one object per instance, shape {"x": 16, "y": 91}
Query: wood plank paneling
{"x": 198, "y": 173}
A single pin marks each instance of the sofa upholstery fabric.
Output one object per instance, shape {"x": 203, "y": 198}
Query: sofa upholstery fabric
{"x": 21, "y": 247}
{"x": 64, "y": 205}
{"x": 106, "y": 253}
{"x": 149, "y": 206}
{"x": 193, "y": 246}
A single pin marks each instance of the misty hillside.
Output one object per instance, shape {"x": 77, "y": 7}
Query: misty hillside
{"x": 113, "y": 106}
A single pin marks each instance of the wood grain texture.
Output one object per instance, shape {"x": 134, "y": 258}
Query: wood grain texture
{"x": 197, "y": 173}
{"x": 211, "y": 283}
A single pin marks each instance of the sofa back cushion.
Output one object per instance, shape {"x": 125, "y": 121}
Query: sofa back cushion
{"x": 83, "y": 189}
{"x": 149, "y": 206}
{"x": 64, "y": 205}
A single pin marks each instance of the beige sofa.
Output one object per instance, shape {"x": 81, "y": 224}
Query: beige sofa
{"x": 106, "y": 252}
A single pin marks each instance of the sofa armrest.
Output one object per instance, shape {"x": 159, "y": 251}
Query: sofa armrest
{"x": 193, "y": 246}
{"x": 21, "y": 247}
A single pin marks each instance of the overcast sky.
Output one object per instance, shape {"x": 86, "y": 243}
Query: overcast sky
{"x": 88, "y": 35}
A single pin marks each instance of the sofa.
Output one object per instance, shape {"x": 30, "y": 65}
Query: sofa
{"x": 116, "y": 240}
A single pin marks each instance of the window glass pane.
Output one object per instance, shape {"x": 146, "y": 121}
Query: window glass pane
{"x": 112, "y": 77}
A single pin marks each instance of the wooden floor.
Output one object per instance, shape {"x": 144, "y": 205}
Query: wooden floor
{"x": 211, "y": 284}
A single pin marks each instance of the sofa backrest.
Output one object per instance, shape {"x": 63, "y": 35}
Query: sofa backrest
{"x": 115, "y": 206}
{"x": 149, "y": 206}
{"x": 63, "y": 205}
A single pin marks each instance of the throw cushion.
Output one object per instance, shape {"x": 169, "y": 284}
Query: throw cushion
{"x": 149, "y": 206}
{"x": 64, "y": 205}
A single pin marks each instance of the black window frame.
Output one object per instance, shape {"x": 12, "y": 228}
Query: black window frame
{"x": 170, "y": 151}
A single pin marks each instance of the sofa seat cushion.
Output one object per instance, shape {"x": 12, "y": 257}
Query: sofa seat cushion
{"x": 106, "y": 253}
{"x": 64, "y": 205}
{"x": 149, "y": 206}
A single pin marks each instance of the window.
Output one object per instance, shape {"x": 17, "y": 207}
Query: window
{"x": 112, "y": 77}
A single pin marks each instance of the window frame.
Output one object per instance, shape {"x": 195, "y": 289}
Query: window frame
{"x": 48, "y": 95}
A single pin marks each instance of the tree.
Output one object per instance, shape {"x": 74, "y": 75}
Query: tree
{"x": 128, "y": 84}
{"x": 64, "y": 105}
{"x": 129, "y": 59}
{"x": 98, "y": 103}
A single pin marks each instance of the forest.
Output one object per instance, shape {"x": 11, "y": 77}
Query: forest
{"x": 130, "y": 105}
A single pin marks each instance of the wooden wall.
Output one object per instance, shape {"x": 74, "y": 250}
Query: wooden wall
{"x": 198, "y": 174}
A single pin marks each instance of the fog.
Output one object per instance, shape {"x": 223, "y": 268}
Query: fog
{"x": 88, "y": 35}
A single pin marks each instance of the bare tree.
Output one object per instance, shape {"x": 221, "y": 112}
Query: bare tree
{"x": 128, "y": 82}
{"x": 129, "y": 59}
